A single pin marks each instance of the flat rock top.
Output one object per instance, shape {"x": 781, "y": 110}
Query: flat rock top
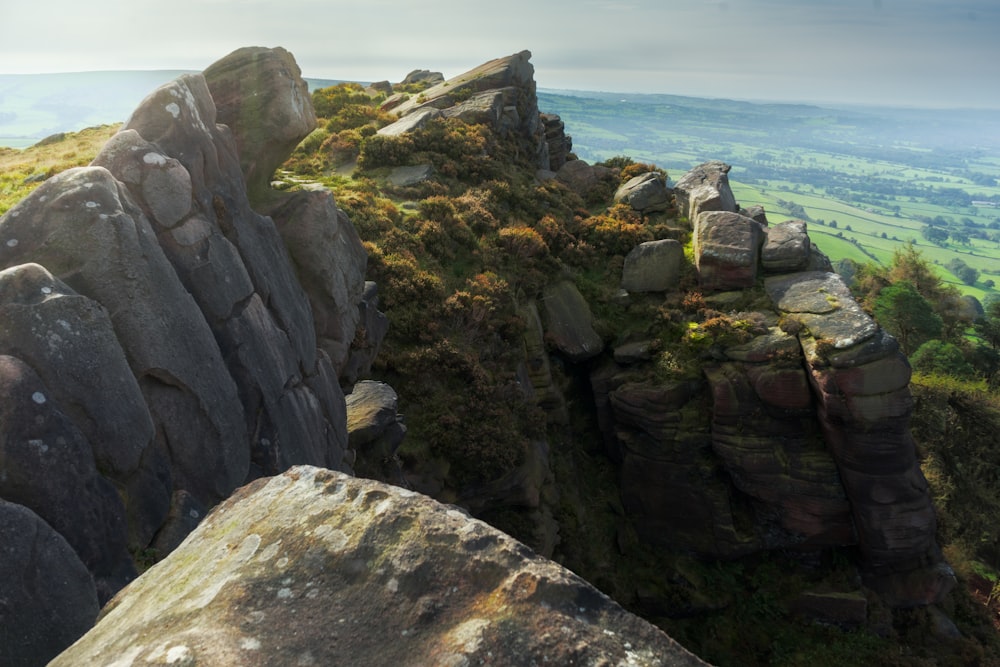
{"x": 316, "y": 567}
{"x": 825, "y": 305}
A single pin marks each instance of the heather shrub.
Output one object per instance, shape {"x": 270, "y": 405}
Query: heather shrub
{"x": 328, "y": 102}
{"x": 386, "y": 151}
{"x": 617, "y": 231}
{"x": 638, "y": 169}
{"x": 410, "y": 295}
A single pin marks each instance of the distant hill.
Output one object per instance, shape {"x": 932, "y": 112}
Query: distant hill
{"x": 34, "y": 106}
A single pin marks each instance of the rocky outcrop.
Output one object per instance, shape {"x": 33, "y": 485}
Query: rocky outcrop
{"x": 705, "y": 188}
{"x": 799, "y": 437}
{"x": 560, "y": 144}
{"x": 260, "y": 95}
{"x": 861, "y": 381}
{"x": 726, "y": 250}
{"x": 500, "y": 94}
{"x": 646, "y": 193}
{"x": 158, "y": 347}
{"x": 290, "y": 569}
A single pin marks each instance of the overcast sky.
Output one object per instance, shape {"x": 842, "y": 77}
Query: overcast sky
{"x": 937, "y": 53}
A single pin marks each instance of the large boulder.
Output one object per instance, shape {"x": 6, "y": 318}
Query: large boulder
{"x": 375, "y": 429}
{"x": 726, "y": 250}
{"x": 69, "y": 340}
{"x": 786, "y": 248}
{"x": 654, "y": 266}
{"x": 414, "y": 121}
{"x": 48, "y": 467}
{"x": 705, "y": 188}
{"x": 48, "y": 596}
{"x": 260, "y": 94}
{"x": 646, "y": 193}
{"x": 315, "y": 567}
{"x": 424, "y": 76}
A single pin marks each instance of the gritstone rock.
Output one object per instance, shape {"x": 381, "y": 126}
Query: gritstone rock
{"x": 290, "y": 569}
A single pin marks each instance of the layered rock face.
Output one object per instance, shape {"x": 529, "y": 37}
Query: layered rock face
{"x": 806, "y": 443}
{"x": 158, "y": 347}
{"x": 315, "y": 567}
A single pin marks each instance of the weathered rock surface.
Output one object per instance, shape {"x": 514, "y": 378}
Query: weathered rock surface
{"x": 500, "y": 93}
{"x": 375, "y": 429}
{"x": 260, "y": 94}
{"x": 53, "y": 602}
{"x": 234, "y": 263}
{"x": 705, "y": 188}
{"x": 560, "y": 144}
{"x": 861, "y": 382}
{"x": 726, "y": 250}
{"x": 569, "y": 324}
{"x": 671, "y": 484}
{"x": 581, "y": 177}
{"x": 646, "y": 193}
{"x": 654, "y": 266}
{"x": 786, "y": 248}
{"x": 289, "y": 569}
{"x": 158, "y": 345}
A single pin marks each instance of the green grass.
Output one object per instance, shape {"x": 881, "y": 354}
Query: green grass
{"x": 76, "y": 149}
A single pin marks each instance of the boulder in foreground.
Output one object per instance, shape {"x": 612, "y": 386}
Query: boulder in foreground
{"x": 301, "y": 568}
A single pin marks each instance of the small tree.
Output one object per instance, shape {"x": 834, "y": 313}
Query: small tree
{"x": 940, "y": 358}
{"x": 907, "y": 316}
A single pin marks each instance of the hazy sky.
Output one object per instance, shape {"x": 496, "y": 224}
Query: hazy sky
{"x": 939, "y": 53}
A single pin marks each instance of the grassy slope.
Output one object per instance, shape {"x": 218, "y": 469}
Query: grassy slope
{"x": 17, "y": 166}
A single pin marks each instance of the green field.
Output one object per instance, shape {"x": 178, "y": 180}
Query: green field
{"x": 866, "y": 180}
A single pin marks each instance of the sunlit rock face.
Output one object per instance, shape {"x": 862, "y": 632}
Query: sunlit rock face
{"x": 500, "y": 94}
{"x": 300, "y": 568}
{"x": 705, "y": 188}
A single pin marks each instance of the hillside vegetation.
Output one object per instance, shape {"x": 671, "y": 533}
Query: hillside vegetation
{"x": 456, "y": 258}
{"x": 458, "y": 255}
